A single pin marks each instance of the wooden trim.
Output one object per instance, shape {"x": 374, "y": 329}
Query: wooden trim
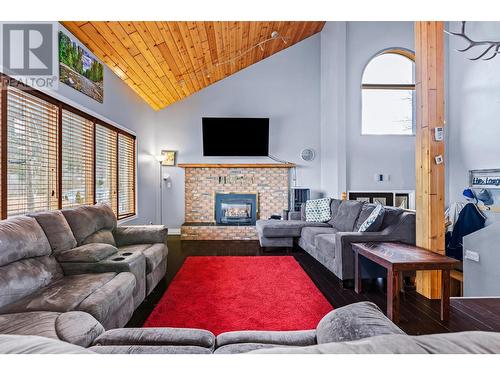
{"x": 95, "y": 158}
{"x": 135, "y": 175}
{"x": 430, "y": 177}
{"x": 3, "y": 146}
{"x": 126, "y": 216}
{"x": 117, "y": 174}
{"x": 376, "y": 86}
{"x": 114, "y": 128}
{"x": 401, "y": 51}
{"x": 257, "y": 165}
{"x": 59, "y": 156}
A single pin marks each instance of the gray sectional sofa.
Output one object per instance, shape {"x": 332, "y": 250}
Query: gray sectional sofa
{"x": 330, "y": 242}
{"x": 357, "y": 328}
{"x": 78, "y": 260}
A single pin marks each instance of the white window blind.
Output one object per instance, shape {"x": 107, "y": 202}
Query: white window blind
{"x": 31, "y": 153}
{"x": 106, "y": 166}
{"x": 77, "y": 160}
{"x": 126, "y": 176}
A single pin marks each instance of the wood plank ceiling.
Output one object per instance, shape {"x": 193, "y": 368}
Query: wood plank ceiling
{"x": 164, "y": 62}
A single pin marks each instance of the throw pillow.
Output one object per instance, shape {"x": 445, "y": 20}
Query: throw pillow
{"x": 374, "y": 221}
{"x": 346, "y": 216}
{"x": 334, "y": 207}
{"x": 318, "y": 210}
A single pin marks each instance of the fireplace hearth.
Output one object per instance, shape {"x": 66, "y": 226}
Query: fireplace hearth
{"x": 235, "y": 208}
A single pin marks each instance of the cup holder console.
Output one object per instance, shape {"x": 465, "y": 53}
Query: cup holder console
{"x": 127, "y": 254}
{"x": 118, "y": 259}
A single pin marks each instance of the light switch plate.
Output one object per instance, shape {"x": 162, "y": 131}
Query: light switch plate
{"x": 381, "y": 177}
{"x": 472, "y": 255}
{"x": 438, "y": 134}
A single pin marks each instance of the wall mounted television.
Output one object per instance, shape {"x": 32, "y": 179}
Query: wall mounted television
{"x": 232, "y": 136}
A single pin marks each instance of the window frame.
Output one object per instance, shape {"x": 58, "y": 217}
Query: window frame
{"x": 133, "y": 196}
{"x": 5, "y": 82}
{"x": 410, "y": 55}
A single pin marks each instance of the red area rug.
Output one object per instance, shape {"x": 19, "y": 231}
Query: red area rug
{"x": 230, "y": 293}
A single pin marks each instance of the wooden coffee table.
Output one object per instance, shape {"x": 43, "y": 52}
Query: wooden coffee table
{"x": 397, "y": 257}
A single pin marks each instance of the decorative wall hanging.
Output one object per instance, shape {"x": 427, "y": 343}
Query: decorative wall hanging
{"x": 308, "y": 154}
{"x": 491, "y": 48}
{"x": 168, "y": 158}
{"x": 79, "y": 70}
{"x": 484, "y": 179}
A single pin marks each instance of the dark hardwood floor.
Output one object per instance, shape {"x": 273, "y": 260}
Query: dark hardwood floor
{"x": 419, "y": 315}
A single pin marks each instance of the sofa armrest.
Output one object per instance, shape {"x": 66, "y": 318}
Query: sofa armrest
{"x": 156, "y": 337}
{"x": 403, "y": 230}
{"x": 140, "y": 234}
{"x": 346, "y": 238}
{"x": 135, "y": 263}
{"x": 344, "y": 253}
{"x": 89, "y": 253}
{"x": 294, "y": 215}
{"x": 354, "y": 322}
{"x": 290, "y": 338}
{"x": 75, "y": 327}
{"x": 303, "y": 212}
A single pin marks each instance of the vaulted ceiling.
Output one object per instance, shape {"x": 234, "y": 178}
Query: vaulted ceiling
{"x": 163, "y": 62}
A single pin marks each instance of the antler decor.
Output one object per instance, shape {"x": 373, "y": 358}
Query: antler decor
{"x": 491, "y": 47}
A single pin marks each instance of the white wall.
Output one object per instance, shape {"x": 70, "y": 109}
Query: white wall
{"x": 333, "y": 108}
{"x": 368, "y": 155}
{"x": 123, "y": 107}
{"x": 284, "y": 87}
{"x": 473, "y": 118}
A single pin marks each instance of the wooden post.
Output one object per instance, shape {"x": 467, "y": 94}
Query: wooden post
{"x": 429, "y": 56}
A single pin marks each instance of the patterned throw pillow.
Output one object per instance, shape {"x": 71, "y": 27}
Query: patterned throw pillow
{"x": 318, "y": 210}
{"x": 374, "y": 221}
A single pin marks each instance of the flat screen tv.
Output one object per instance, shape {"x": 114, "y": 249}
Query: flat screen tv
{"x": 230, "y": 136}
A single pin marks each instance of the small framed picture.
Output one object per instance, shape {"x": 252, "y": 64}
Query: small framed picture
{"x": 168, "y": 157}
{"x": 363, "y": 199}
{"x": 402, "y": 200}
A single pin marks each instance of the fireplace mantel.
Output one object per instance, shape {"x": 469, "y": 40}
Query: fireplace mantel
{"x": 256, "y": 165}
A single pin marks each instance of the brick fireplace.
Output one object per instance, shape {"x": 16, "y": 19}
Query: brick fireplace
{"x": 222, "y": 201}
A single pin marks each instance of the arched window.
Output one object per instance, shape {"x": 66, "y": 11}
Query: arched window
{"x": 388, "y": 94}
